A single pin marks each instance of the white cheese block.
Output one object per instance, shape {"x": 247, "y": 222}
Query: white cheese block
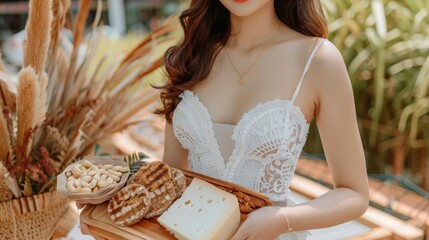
{"x": 203, "y": 212}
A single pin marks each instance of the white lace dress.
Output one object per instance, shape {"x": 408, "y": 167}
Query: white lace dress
{"x": 267, "y": 143}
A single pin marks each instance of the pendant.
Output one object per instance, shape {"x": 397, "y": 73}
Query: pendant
{"x": 241, "y": 81}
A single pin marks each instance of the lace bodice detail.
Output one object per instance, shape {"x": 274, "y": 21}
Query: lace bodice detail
{"x": 268, "y": 141}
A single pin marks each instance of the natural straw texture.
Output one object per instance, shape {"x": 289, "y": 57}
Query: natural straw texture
{"x": 5, "y": 193}
{"x": 38, "y": 34}
{"x": 32, "y": 217}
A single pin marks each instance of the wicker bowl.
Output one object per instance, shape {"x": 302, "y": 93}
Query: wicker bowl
{"x": 101, "y": 195}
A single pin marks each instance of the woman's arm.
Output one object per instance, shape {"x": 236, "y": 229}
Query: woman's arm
{"x": 174, "y": 154}
{"x": 336, "y": 120}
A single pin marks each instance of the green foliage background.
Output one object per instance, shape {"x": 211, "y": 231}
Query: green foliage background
{"x": 385, "y": 45}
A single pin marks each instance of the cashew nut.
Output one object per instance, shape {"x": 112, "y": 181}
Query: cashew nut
{"x": 89, "y": 185}
{"x": 124, "y": 169}
{"x": 107, "y": 166}
{"x": 109, "y": 180}
{"x": 96, "y": 178}
{"x": 92, "y": 184}
{"x": 84, "y": 190}
{"x": 77, "y": 183}
{"x": 116, "y": 168}
{"x": 103, "y": 177}
{"x": 118, "y": 174}
{"x": 86, "y": 179}
{"x": 70, "y": 187}
{"x": 71, "y": 178}
{"x": 87, "y": 164}
{"x": 103, "y": 184}
{"x": 76, "y": 171}
{"x": 115, "y": 178}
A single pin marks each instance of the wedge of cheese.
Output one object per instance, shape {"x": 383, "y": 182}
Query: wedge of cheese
{"x": 203, "y": 212}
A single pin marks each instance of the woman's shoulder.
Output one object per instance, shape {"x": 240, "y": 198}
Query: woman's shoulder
{"x": 327, "y": 52}
{"x": 327, "y": 64}
{"x": 328, "y": 72}
{"x": 327, "y": 55}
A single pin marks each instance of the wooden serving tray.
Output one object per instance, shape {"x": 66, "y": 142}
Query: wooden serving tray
{"x": 98, "y": 220}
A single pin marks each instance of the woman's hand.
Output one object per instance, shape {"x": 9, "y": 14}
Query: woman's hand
{"x": 85, "y": 231}
{"x": 265, "y": 223}
{"x": 84, "y": 228}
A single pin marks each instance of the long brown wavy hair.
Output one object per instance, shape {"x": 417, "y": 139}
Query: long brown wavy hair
{"x": 207, "y": 27}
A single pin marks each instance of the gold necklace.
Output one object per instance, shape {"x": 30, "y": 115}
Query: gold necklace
{"x": 241, "y": 80}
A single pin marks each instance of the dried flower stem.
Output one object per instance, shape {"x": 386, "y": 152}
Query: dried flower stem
{"x": 5, "y": 144}
{"x": 84, "y": 6}
{"x": 82, "y": 15}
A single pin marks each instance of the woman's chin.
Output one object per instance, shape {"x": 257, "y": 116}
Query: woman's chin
{"x": 244, "y": 8}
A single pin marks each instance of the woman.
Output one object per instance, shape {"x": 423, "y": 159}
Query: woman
{"x": 244, "y": 84}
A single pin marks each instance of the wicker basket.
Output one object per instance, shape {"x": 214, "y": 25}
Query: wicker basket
{"x": 33, "y": 217}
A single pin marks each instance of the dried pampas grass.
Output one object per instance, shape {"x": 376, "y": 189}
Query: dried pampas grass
{"x": 38, "y": 34}
{"x": 26, "y": 103}
{"x": 42, "y": 99}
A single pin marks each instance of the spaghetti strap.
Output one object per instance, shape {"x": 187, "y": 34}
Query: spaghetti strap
{"x": 307, "y": 66}
{"x": 295, "y": 94}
